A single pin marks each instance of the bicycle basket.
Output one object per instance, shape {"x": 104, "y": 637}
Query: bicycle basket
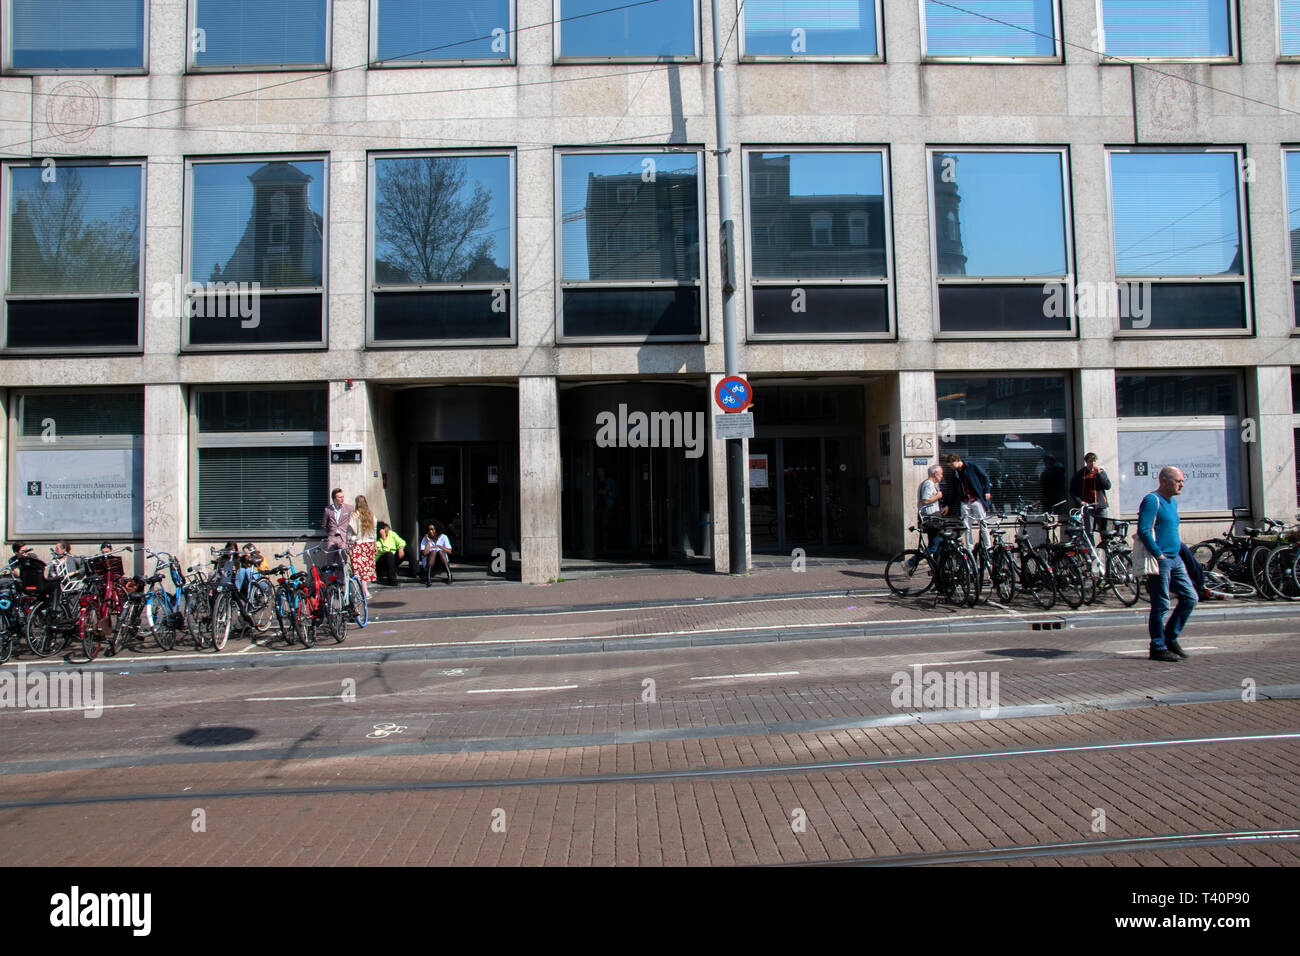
{"x": 109, "y": 565}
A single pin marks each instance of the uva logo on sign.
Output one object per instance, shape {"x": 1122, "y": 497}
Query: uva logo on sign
{"x": 33, "y": 489}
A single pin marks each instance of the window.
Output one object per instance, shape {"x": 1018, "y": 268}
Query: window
{"x": 1168, "y": 29}
{"x": 1008, "y": 30}
{"x": 78, "y": 36}
{"x": 78, "y": 464}
{"x": 630, "y": 271}
{"x": 255, "y": 254}
{"x": 591, "y": 30}
{"x": 1292, "y": 158}
{"x": 1179, "y": 259}
{"x": 1017, "y": 435}
{"x": 811, "y": 30}
{"x": 259, "y": 34}
{"x": 1288, "y": 27}
{"x": 1002, "y": 257}
{"x": 73, "y": 257}
{"x": 442, "y": 267}
{"x": 261, "y": 458}
{"x": 443, "y": 32}
{"x": 818, "y": 253}
{"x": 1190, "y": 421}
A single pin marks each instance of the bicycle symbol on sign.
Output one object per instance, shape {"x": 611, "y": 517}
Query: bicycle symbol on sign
{"x": 385, "y": 730}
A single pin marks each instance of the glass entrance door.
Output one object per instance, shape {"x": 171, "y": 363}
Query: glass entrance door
{"x": 438, "y": 477}
{"x": 814, "y": 495}
{"x": 486, "y": 479}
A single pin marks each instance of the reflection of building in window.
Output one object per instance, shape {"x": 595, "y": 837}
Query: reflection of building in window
{"x": 639, "y": 229}
{"x": 952, "y": 257}
{"x": 282, "y": 242}
{"x": 811, "y": 236}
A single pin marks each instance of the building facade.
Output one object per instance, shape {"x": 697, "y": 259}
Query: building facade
{"x": 245, "y": 240}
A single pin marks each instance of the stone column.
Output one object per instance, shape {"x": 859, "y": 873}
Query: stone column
{"x": 1271, "y": 455}
{"x": 918, "y": 412}
{"x": 539, "y": 478}
{"x": 1096, "y": 427}
{"x": 166, "y": 463}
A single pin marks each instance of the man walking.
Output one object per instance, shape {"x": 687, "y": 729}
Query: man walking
{"x": 1158, "y": 532}
{"x": 967, "y": 494}
{"x": 1089, "y": 486}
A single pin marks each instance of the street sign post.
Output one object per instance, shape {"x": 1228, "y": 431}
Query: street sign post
{"x": 733, "y": 394}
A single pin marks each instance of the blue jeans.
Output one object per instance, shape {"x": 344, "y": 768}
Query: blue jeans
{"x": 1172, "y": 578}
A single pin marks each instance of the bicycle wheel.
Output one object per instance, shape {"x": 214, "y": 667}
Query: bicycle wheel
{"x": 260, "y": 610}
{"x": 955, "y": 577}
{"x": 90, "y": 631}
{"x": 1218, "y": 583}
{"x": 1279, "y": 572}
{"x": 1206, "y": 553}
{"x": 222, "y": 611}
{"x": 307, "y": 621}
{"x": 123, "y": 632}
{"x": 1069, "y": 579}
{"x": 40, "y": 636}
{"x": 155, "y": 610}
{"x": 284, "y": 612}
{"x": 359, "y": 605}
{"x": 1004, "y": 576}
{"x": 1257, "y": 561}
{"x": 338, "y": 613}
{"x": 973, "y": 576}
{"x": 7, "y": 641}
{"x": 198, "y": 615}
{"x": 1121, "y": 579}
{"x": 910, "y": 573}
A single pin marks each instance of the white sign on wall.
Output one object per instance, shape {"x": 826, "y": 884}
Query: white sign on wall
{"x": 1208, "y": 458}
{"x": 758, "y": 471}
{"x": 69, "y": 491}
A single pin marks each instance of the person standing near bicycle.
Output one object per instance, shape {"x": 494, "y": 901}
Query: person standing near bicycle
{"x": 968, "y": 493}
{"x": 928, "y": 508}
{"x": 1158, "y": 533}
{"x": 363, "y": 549}
{"x": 1089, "y": 486}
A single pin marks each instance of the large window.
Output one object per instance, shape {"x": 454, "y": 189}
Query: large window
{"x": 259, "y": 34}
{"x": 77, "y": 36}
{"x": 1168, "y": 29}
{"x": 1295, "y": 415}
{"x": 819, "y": 242}
{"x": 73, "y": 256}
{"x": 604, "y": 30}
{"x": 810, "y": 30}
{"x": 1007, "y": 30}
{"x": 260, "y": 460}
{"x": 1288, "y": 28}
{"x": 442, "y": 263}
{"x": 255, "y": 254}
{"x": 630, "y": 258}
{"x": 1179, "y": 257}
{"x": 444, "y": 32}
{"x": 1014, "y": 428}
{"x": 78, "y": 464}
{"x": 1292, "y": 160}
{"x": 1000, "y": 241}
{"x": 1190, "y": 421}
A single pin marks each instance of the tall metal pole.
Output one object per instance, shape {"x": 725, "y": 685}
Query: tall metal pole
{"x": 737, "y": 562}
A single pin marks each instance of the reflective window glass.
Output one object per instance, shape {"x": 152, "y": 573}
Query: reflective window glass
{"x": 1002, "y": 214}
{"x": 810, "y": 28}
{"x": 262, "y": 33}
{"x": 77, "y": 34}
{"x": 628, "y": 216}
{"x": 992, "y": 28}
{"x": 1147, "y": 396}
{"x": 1176, "y": 214}
{"x": 590, "y": 28}
{"x": 433, "y": 30}
{"x": 979, "y": 398}
{"x": 819, "y": 214}
{"x": 1289, "y": 27}
{"x": 1166, "y": 28}
{"x": 1293, "y": 213}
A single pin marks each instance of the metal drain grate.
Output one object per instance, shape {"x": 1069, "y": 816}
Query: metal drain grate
{"x": 1051, "y": 624}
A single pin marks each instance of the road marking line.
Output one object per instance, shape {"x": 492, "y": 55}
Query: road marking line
{"x": 55, "y": 710}
{"x": 733, "y": 676}
{"x": 982, "y": 660}
{"x": 324, "y": 697}
{"x": 519, "y": 690}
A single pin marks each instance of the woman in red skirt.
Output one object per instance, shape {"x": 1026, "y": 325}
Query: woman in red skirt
{"x": 363, "y": 550}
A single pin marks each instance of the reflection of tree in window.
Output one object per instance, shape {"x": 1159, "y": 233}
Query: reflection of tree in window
{"x": 431, "y": 223}
{"x": 66, "y": 238}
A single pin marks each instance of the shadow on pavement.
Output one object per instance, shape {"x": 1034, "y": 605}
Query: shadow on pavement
{"x": 215, "y": 736}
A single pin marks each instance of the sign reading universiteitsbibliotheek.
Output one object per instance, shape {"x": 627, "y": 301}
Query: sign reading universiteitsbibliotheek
{"x": 87, "y": 491}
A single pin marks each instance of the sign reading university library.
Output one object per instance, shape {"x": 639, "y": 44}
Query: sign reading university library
{"x": 87, "y": 491}
{"x": 1208, "y": 458}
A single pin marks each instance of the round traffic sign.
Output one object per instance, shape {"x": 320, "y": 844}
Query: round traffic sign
{"x": 733, "y": 394}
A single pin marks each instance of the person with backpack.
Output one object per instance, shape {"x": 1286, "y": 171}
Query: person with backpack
{"x": 1158, "y": 534}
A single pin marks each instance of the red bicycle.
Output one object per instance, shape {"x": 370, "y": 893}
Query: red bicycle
{"x": 101, "y": 602}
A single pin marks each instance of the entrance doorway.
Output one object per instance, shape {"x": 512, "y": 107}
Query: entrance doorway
{"x": 461, "y": 486}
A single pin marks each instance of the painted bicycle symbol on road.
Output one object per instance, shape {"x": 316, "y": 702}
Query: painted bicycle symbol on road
{"x": 386, "y": 730}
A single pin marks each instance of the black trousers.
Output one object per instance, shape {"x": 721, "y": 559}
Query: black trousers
{"x": 386, "y": 566}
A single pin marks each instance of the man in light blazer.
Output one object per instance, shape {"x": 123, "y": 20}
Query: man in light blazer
{"x": 337, "y": 521}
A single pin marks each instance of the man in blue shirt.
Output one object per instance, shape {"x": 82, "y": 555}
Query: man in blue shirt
{"x": 1158, "y": 531}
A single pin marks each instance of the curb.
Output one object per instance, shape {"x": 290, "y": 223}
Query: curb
{"x": 597, "y": 645}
